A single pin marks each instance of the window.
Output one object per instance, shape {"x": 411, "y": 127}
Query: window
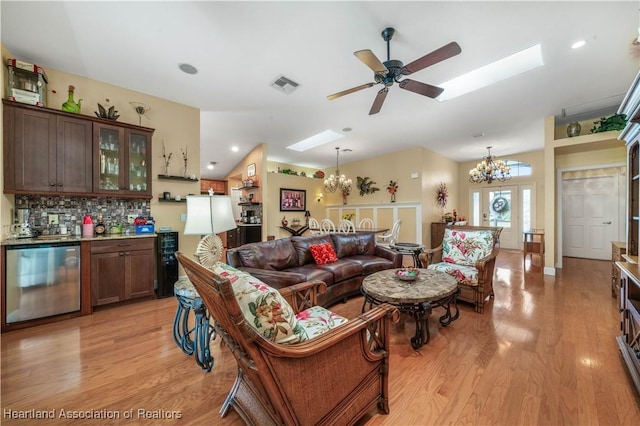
{"x": 518, "y": 168}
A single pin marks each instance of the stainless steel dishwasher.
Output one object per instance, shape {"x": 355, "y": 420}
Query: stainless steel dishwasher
{"x": 42, "y": 280}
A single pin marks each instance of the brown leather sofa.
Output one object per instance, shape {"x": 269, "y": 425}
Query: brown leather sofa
{"x": 288, "y": 261}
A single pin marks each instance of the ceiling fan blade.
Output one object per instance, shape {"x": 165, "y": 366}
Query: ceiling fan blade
{"x": 353, "y": 89}
{"x": 421, "y": 88}
{"x": 378, "y": 101}
{"x": 438, "y": 55}
{"x": 372, "y": 61}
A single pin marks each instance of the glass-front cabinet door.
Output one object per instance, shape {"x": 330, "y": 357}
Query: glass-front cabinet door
{"x": 122, "y": 163}
{"x": 138, "y": 162}
{"x": 110, "y": 141}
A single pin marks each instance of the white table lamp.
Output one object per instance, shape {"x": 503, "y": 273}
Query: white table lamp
{"x": 209, "y": 215}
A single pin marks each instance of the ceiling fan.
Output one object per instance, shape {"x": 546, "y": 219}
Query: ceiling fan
{"x": 393, "y": 71}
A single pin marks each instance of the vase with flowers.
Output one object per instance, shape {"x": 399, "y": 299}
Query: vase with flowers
{"x": 392, "y": 188}
{"x": 345, "y": 194}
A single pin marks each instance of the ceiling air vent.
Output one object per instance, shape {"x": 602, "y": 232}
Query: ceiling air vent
{"x": 284, "y": 85}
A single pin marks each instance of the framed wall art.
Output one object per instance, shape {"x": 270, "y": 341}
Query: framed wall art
{"x": 293, "y": 200}
{"x": 251, "y": 170}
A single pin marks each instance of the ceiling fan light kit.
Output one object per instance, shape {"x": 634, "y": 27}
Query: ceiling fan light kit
{"x": 394, "y": 71}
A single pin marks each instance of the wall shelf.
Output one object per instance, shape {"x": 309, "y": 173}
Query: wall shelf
{"x": 173, "y": 200}
{"x": 249, "y": 204}
{"x": 170, "y": 177}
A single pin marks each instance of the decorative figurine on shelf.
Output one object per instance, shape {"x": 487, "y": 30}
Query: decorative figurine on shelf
{"x": 71, "y": 105}
{"x": 284, "y": 221}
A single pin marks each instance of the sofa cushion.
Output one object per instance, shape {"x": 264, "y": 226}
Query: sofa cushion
{"x": 371, "y": 264}
{"x": 274, "y": 255}
{"x": 311, "y": 272}
{"x": 463, "y": 274}
{"x": 354, "y": 244}
{"x": 323, "y": 253}
{"x": 317, "y": 320}
{"x": 302, "y": 244}
{"x": 466, "y": 247}
{"x": 342, "y": 269}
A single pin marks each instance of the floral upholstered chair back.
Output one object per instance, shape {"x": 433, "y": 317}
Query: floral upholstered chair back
{"x": 462, "y": 247}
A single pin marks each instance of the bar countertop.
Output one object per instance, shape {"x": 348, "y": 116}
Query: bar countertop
{"x": 46, "y": 239}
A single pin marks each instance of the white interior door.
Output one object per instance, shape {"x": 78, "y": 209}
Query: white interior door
{"x": 589, "y": 216}
{"x": 501, "y": 208}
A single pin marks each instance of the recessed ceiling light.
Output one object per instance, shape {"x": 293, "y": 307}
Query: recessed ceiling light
{"x": 512, "y": 65}
{"x": 478, "y": 135}
{"x": 578, "y": 44}
{"x": 188, "y": 68}
{"x": 211, "y": 165}
{"x": 347, "y": 129}
{"x": 234, "y": 148}
{"x": 316, "y": 140}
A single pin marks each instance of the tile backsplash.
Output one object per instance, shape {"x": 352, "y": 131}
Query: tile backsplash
{"x": 71, "y": 210}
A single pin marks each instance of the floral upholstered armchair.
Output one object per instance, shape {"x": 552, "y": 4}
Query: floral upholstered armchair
{"x": 291, "y": 354}
{"x": 468, "y": 253}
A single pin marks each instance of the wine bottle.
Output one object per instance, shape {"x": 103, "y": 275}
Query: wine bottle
{"x": 100, "y": 228}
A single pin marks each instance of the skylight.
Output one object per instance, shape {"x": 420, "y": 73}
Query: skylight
{"x": 316, "y": 140}
{"x": 494, "y": 72}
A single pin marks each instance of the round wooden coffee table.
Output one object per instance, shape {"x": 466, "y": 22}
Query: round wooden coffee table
{"x": 431, "y": 288}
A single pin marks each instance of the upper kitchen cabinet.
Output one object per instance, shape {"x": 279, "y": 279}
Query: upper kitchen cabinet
{"x": 46, "y": 152}
{"x": 123, "y": 156}
{"x": 217, "y": 186}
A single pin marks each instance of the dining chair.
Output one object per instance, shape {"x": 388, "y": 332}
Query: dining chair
{"x": 346, "y": 225}
{"x": 391, "y": 237}
{"x": 314, "y": 226}
{"x": 366, "y": 223}
{"x": 327, "y": 226}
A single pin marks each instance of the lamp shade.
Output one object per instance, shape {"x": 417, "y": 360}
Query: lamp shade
{"x": 208, "y": 214}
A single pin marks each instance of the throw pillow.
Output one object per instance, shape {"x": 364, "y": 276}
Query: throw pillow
{"x": 323, "y": 253}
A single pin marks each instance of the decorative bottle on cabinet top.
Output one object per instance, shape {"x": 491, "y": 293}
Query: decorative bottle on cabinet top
{"x": 71, "y": 105}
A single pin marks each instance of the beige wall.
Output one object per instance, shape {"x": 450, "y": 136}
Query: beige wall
{"x": 275, "y": 181}
{"x": 437, "y": 169}
{"x": 538, "y": 169}
{"x": 431, "y": 169}
{"x": 560, "y": 151}
{"x": 175, "y": 124}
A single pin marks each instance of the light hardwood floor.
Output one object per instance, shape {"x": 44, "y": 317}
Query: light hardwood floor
{"x": 542, "y": 353}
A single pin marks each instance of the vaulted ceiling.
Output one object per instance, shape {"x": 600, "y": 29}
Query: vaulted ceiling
{"x": 240, "y": 48}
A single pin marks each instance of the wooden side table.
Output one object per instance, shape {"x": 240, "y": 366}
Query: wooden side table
{"x": 534, "y": 244}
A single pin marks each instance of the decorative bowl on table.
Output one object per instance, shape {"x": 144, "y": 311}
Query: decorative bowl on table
{"x": 407, "y": 274}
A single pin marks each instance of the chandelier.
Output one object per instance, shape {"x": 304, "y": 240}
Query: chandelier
{"x": 490, "y": 169}
{"x": 337, "y": 181}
